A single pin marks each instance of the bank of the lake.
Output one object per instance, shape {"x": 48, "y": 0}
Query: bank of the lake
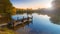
{"x": 6, "y": 31}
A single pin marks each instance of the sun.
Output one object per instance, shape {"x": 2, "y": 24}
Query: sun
{"x": 48, "y": 5}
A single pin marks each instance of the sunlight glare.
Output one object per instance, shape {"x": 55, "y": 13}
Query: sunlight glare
{"x": 49, "y": 5}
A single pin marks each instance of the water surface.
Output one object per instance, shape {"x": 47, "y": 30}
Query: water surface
{"x": 41, "y": 24}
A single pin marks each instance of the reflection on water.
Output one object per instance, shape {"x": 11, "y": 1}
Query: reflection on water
{"x": 41, "y": 25}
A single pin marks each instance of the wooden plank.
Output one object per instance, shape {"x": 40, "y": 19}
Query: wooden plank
{"x": 22, "y": 22}
{"x": 3, "y": 24}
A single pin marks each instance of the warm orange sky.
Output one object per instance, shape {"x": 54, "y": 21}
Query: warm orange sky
{"x": 34, "y": 4}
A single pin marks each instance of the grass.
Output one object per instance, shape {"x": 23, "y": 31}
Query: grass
{"x": 6, "y": 31}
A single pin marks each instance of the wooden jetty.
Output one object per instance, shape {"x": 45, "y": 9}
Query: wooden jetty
{"x": 22, "y": 25}
{"x": 24, "y": 20}
{"x": 20, "y": 21}
{"x": 14, "y": 23}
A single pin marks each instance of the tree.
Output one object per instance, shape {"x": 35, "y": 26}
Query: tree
{"x": 56, "y": 3}
{"x": 6, "y": 8}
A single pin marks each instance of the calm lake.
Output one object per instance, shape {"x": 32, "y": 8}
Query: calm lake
{"x": 41, "y": 24}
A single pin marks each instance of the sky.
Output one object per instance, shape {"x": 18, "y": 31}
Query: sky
{"x": 34, "y": 4}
